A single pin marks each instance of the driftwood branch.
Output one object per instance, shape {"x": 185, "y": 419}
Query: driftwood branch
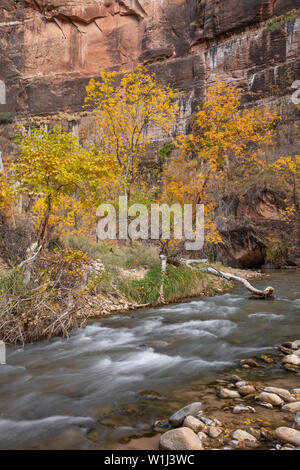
{"x": 266, "y": 293}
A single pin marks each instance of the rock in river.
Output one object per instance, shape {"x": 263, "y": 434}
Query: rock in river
{"x": 246, "y": 390}
{"x": 177, "y": 418}
{"x": 291, "y": 359}
{"x": 244, "y": 436}
{"x": 226, "y": 393}
{"x": 291, "y": 407}
{"x": 272, "y": 398}
{"x": 281, "y": 392}
{"x": 242, "y": 409}
{"x": 193, "y": 423}
{"x": 180, "y": 439}
{"x": 289, "y": 435}
{"x": 214, "y": 432}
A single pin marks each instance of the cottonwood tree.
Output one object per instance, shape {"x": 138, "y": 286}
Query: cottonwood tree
{"x": 223, "y": 151}
{"x": 125, "y": 108}
{"x": 53, "y": 166}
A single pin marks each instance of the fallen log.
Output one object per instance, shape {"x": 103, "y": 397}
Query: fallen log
{"x": 265, "y": 294}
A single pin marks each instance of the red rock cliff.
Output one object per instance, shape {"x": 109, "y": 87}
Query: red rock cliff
{"x": 50, "y": 48}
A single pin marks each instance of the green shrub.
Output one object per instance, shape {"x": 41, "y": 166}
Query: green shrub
{"x": 179, "y": 283}
{"x": 132, "y": 255}
{"x": 277, "y": 22}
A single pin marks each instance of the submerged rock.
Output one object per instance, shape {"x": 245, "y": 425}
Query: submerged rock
{"x": 177, "y": 418}
{"x": 291, "y": 359}
{"x": 180, "y": 439}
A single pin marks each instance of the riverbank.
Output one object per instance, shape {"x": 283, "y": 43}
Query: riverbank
{"x": 252, "y": 406}
{"x": 181, "y": 284}
{"x": 104, "y": 386}
{"x": 67, "y": 288}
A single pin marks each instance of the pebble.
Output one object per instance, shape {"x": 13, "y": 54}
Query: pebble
{"x": 288, "y": 435}
{"x": 265, "y": 405}
{"x": 207, "y": 421}
{"x": 217, "y": 422}
{"x": 226, "y": 393}
{"x": 247, "y": 390}
{"x": 214, "y": 432}
{"x": 281, "y": 392}
{"x": 180, "y": 439}
{"x": 193, "y": 423}
{"x": 204, "y": 439}
{"x": 255, "y": 432}
{"x": 235, "y": 378}
{"x": 291, "y": 407}
{"x": 291, "y": 359}
{"x": 241, "y": 383}
{"x": 272, "y": 398}
{"x": 235, "y": 444}
{"x": 250, "y": 363}
{"x": 241, "y": 435}
{"x": 177, "y": 418}
{"x": 243, "y": 409}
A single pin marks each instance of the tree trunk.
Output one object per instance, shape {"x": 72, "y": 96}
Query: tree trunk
{"x": 163, "y": 272}
{"x": 264, "y": 294}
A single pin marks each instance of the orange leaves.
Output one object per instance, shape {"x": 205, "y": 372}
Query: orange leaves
{"x": 127, "y": 108}
{"x": 64, "y": 178}
{"x": 287, "y": 170}
{"x": 6, "y": 191}
{"x": 223, "y": 150}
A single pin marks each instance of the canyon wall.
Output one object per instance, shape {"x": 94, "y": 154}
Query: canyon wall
{"x": 49, "y": 49}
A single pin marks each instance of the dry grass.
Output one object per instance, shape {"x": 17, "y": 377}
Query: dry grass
{"x": 51, "y": 304}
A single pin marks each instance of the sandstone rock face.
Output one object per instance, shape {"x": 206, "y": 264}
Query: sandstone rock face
{"x": 50, "y": 48}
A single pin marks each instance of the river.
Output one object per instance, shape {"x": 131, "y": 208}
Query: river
{"x": 93, "y": 389}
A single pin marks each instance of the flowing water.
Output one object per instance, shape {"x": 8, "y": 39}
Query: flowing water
{"x": 111, "y": 379}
